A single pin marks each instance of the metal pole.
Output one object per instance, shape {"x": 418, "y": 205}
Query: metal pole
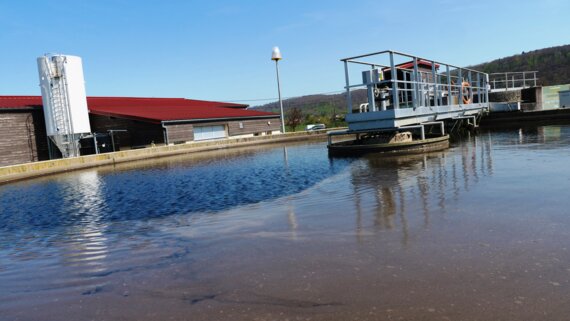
{"x": 113, "y": 140}
{"x": 280, "y": 101}
{"x": 460, "y": 90}
{"x": 415, "y": 92}
{"x": 395, "y": 102}
{"x": 479, "y": 88}
{"x": 449, "y": 89}
{"x": 486, "y": 90}
{"x": 434, "y": 80}
{"x": 470, "y": 86}
{"x": 348, "y": 95}
{"x": 95, "y": 142}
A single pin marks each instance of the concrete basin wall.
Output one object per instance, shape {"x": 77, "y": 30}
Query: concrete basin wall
{"x": 28, "y": 170}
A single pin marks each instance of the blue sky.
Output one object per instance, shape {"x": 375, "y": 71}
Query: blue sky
{"x": 220, "y": 50}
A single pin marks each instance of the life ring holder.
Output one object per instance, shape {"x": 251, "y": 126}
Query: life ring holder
{"x": 466, "y": 92}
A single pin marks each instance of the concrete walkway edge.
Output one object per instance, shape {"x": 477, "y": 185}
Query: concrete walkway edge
{"x": 35, "y": 169}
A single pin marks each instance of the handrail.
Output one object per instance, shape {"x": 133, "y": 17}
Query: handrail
{"x": 510, "y": 80}
{"x": 415, "y": 87}
{"x": 351, "y": 59}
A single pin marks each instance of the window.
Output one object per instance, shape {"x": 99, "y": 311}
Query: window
{"x": 209, "y": 132}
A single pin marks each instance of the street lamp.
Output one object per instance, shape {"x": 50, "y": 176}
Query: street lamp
{"x": 276, "y": 55}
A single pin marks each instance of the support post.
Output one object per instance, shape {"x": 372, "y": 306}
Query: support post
{"x": 460, "y": 87}
{"x": 479, "y": 88}
{"x": 95, "y": 142}
{"x": 486, "y": 89}
{"x": 395, "y": 101}
{"x": 469, "y": 79}
{"x": 449, "y": 90}
{"x": 434, "y": 80}
{"x": 415, "y": 94}
{"x": 280, "y": 101}
{"x": 348, "y": 95}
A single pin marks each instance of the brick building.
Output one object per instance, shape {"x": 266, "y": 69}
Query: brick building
{"x": 141, "y": 121}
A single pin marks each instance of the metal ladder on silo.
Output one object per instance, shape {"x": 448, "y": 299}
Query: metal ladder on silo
{"x": 64, "y": 140}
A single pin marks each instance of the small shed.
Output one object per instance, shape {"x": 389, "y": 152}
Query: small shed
{"x": 564, "y": 96}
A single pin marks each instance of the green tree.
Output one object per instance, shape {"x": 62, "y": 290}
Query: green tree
{"x": 294, "y": 118}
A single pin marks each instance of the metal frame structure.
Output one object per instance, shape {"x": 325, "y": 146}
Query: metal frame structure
{"x": 507, "y": 81}
{"x": 412, "y": 95}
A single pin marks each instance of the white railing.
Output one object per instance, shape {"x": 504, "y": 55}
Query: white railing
{"x": 505, "y": 81}
{"x": 414, "y": 82}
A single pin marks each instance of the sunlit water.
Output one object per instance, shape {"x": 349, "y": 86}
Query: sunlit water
{"x": 478, "y": 232}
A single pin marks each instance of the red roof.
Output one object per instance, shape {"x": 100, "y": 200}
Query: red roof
{"x": 153, "y": 110}
{"x": 410, "y": 65}
{"x": 20, "y": 101}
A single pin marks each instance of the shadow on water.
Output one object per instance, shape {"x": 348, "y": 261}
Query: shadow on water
{"x": 206, "y": 183}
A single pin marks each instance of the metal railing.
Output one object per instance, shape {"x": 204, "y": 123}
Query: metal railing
{"x": 412, "y": 84}
{"x": 505, "y": 81}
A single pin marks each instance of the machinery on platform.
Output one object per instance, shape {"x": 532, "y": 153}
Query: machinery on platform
{"x": 65, "y": 102}
{"x": 410, "y": 102}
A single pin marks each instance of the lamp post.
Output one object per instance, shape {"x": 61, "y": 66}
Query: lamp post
{"x": 276, "y": 56}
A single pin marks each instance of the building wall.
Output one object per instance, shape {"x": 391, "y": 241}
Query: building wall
{"x": 22, "y": 137}
{"x": 550, "y": 96}
{"x": 253, "y": 126}
{"x": 178, "y": 133}
{"x": 139, "y": 134}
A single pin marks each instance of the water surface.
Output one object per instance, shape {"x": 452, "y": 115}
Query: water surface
{"x": 478, "y": 232}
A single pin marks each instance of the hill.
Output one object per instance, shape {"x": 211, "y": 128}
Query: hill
{"x": 552, "y": 64}
{"x": 313, "y": 109}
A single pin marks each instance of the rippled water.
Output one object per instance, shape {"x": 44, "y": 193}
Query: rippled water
{"x": 480, "y": 231}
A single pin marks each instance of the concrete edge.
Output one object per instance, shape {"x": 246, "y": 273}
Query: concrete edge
{"x": 29, "y": 170}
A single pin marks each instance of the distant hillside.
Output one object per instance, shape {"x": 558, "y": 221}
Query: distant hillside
{"x": 315, "y": 104}
{"x": 552, "y": 64}
{"x": 325, "y": 109}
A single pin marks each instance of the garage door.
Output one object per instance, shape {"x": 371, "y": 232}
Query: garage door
{"x": 209, "y": 132}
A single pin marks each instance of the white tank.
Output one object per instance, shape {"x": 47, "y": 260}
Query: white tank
{"x": 63, "y": 95}
{"x": 65, "y": 103}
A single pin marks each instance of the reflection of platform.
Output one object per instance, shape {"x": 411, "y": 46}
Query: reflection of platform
{"x": 396, "y": 118}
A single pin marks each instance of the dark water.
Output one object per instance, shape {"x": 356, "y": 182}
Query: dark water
{"x": 478, "y": 232}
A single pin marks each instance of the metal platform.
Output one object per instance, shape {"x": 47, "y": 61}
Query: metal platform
{"x": 405, "y": 90}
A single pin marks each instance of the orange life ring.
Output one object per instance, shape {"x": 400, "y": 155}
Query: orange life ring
{"x": 466, "y": 92}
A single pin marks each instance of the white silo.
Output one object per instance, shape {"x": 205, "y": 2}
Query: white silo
{"x": 64, "y": 100}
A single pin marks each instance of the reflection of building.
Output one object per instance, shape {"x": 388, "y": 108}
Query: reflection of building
{"x": 143, "y": 121}
{"x": 86, "y": 246}
{"x": 389, "y": 191}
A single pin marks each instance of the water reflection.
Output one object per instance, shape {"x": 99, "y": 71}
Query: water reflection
{"x": 542, "y": 137}
{"x": 167, "y": 187}
{"x": 390, "y": 189}
{"x": 225, "y": 229}
{"x": 85, "y": 244}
